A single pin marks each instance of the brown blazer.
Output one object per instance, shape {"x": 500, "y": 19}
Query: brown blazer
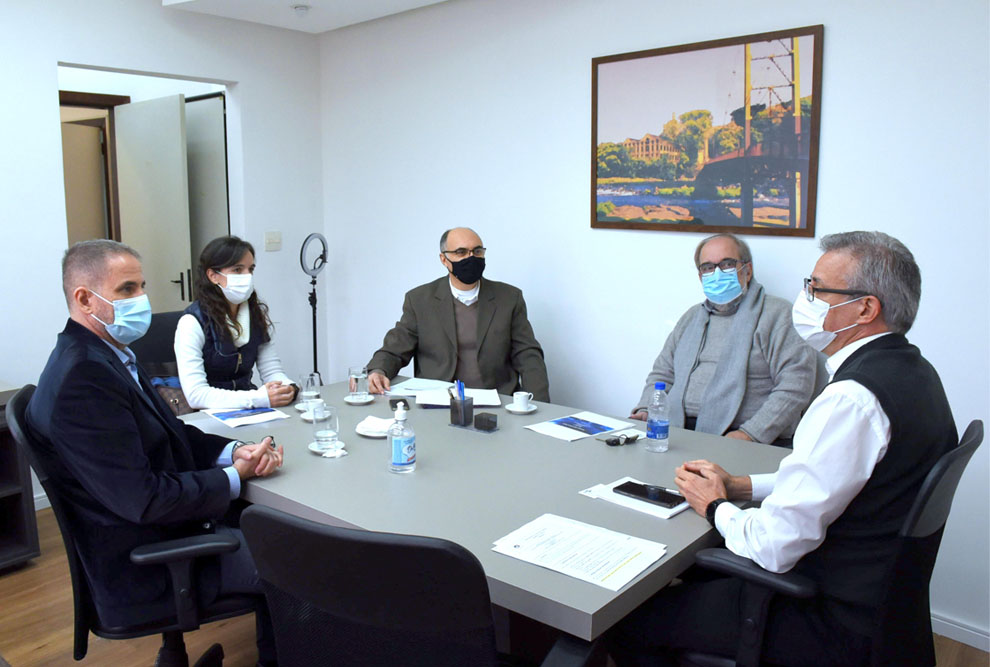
{"x": 509, "y": 356}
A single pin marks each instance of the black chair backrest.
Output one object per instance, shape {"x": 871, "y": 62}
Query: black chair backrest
{"x": 356, "y": 597}
{"x": 155, "y": 350}
{"x": 931, "y": 508}
{"x": 85, "y": 612}
{"x": 903, "y": 633}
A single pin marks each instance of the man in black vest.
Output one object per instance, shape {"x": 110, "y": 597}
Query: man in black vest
{"x": 833, "y": 508}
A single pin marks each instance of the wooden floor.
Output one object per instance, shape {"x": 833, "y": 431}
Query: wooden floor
{"x": 36, "y": 622}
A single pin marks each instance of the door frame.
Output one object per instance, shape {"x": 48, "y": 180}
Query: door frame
{"x": 69, "y": 98}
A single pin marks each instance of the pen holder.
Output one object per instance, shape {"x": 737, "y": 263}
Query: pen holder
{"x": 461, "y": 412}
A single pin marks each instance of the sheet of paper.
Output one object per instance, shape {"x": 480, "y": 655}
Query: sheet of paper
{"x": 483, "y": 398}
{"x": 580, "y": 550}
{"x": 577, "y": 426}
{"x": 243, "y": 416}
{"x": 605, "y": 492}
{"x": 413, "y": 386}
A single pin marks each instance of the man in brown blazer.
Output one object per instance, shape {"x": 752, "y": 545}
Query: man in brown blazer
{"x": 465, "y": 328}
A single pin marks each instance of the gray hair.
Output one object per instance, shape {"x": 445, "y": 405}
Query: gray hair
{"x": 85, "y": 263}
{"x": 745, "y": 255}
{"x": 443, "y": 237}
{"x": 884, "y": 268}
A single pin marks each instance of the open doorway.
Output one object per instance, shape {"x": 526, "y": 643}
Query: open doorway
{"x": 148, "y": 168}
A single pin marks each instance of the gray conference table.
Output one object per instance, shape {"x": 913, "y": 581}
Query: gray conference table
{"x": 473, "y": 488}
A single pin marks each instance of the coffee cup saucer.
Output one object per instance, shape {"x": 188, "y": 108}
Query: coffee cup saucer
{"x": 353, "y": 400}
{"x": 315, "y": 448}
{"x": 516, "y": 411}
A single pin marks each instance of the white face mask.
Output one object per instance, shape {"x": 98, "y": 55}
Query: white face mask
{"x": 809, "y": 320}
{"x": 239, "y": 287}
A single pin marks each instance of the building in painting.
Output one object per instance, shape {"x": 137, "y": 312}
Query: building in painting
{"x": 650, "y": 147}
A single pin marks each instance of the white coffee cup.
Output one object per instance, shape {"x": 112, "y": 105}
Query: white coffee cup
{"x": 521, "y": 400}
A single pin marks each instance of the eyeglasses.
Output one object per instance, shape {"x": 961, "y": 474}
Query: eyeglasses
{"x": 623, "y": 439}
{"x": 727, "y": 264}
{"x": 461, "y": 253}
{"x": 810, "y": 289}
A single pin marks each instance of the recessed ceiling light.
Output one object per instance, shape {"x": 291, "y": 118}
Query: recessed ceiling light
{"x": 301, "y": 10}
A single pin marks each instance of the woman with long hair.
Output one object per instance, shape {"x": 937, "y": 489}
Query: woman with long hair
{"x": 226, "y": 332}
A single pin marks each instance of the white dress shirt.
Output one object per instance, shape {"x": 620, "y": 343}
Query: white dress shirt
{"x": 839, "y": 441}
{"x": 189, "y": 341}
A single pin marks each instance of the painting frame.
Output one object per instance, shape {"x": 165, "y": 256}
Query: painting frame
{"x": 754, "y": 174}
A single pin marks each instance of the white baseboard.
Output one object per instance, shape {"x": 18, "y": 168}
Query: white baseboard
{"x": 41, "y": 501}
{"x": 961, "y": 632}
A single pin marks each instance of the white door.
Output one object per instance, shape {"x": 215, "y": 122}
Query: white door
{"x": 206, "y": 147}
{"x": 153, "y": 184}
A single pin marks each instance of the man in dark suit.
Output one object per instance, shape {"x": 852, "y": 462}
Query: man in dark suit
{"x": 465, "y": 328}
{"x": 131, "y": 472}
{"x": 833, "y": 509}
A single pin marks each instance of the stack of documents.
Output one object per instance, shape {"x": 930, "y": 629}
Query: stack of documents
{"x": 483, "y": 398}
{"x": 413, "y": 386}
{"x": 244, "y": 416}
{"x": 605, "y": 492}
{"x": 577, "y": 426}
{"x": 589, "y": 553}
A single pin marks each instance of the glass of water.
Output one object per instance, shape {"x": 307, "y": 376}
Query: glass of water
{"x": 358, "y": 376}
{"x": 311, "y": 388}
{"x": 325, "y": 428}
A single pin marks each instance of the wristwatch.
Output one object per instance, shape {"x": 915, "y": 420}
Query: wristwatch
{"x": 710, "y": 510}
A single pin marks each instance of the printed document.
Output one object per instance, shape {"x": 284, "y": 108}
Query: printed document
{"x": 413, "y": 386}
{"x": 580, "y": 550}
{"x": 577, "y": 426}
{"x": 244, "y": 416}
{"x": 483, "y": 398}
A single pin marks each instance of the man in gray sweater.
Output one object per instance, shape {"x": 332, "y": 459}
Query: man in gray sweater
{"x": 734, "y": 365}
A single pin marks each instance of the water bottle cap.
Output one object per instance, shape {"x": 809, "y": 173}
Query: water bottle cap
{"x": 660, "y": 385}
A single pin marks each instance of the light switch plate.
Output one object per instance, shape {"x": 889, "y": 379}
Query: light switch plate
{"x": 273, "y": 241}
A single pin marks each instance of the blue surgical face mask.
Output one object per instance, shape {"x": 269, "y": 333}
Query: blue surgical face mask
{"x": 720, "y": 286}
{"x": 131, "y": 318}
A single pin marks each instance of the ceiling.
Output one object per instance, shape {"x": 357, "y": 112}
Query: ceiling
{"x": 322, "y": 15}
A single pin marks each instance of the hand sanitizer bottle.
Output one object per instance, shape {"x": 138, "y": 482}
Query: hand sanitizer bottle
{"x": 402, "y": 443}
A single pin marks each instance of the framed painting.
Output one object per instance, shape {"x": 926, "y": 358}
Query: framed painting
{"x": 717, "y": 136}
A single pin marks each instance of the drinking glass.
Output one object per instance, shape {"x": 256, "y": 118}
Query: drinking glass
{"x": 311, "y": 388}
{"x": 325, "y": 428}
{"x": 358, "y": 376}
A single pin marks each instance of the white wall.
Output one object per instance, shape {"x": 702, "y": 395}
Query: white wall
{"x": 477, "y": 112}
{"x": 272, "y": 79}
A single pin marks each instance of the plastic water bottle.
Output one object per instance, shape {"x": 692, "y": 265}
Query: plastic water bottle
{"x": 402, "y": 441}
{"x": 657, "y": 420}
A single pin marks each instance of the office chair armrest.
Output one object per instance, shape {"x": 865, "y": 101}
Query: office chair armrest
{"x": 179, "y": 555}
{"x": 569, "y": 651}
{"x": 724, "y": 561}
{"x": 194, "y": 546}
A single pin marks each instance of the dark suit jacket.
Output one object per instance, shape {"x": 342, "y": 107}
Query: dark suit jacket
{"x": 508, "y": 354}
{"x": 129, "y": 471}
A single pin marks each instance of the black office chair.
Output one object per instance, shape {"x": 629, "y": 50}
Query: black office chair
{"x": 339, "y": 596}
{"x": 902, "y": 630}
{"x": 177, "y": 555}
{"x": 155, "y": 350}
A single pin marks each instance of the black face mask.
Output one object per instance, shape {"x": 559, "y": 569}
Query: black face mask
{"x": 469, "y": 269}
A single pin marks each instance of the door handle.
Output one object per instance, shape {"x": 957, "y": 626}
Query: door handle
{"x": 182, "y": 285}
{"x": 189, "y": 282}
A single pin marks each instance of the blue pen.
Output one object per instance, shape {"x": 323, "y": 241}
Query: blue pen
{"x": 460, "y": 389}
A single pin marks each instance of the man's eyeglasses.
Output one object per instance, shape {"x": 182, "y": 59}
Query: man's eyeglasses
{"x": 461, "y": 253}
{"x": 623, "y": 439}
{"x": 810, "y": 289}
{"x": 727, "y": 264}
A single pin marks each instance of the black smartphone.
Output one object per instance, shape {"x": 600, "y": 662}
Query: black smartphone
{"x": 650, "y": 493}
